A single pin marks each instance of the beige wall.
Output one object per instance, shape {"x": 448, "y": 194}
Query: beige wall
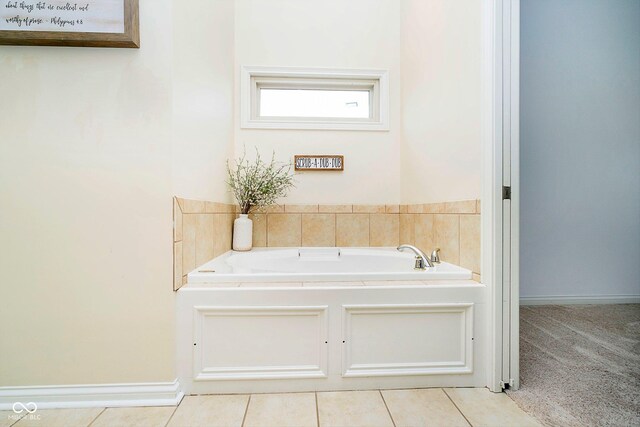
{"x": 89, "y": 161}
{"x": 203, "y": 103}
{"x": 441, "y": 100}
{"x": 333, "y": 34}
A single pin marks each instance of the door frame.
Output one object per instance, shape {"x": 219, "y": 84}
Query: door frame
{"x": 500, "y": 168}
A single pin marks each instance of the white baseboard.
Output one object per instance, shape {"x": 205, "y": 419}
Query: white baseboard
{"x": 91, "y": 396}
{"x": 575, "y": 300}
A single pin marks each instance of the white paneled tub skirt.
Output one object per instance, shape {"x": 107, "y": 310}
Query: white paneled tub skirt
{"x": 307, "y": 319}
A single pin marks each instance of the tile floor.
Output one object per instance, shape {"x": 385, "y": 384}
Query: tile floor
{"x": 392, "y": 408}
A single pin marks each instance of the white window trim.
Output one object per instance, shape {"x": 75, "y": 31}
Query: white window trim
{"x": 248, "y": 99}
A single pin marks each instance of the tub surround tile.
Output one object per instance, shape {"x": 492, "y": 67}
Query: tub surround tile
{"x": 415, "y": 208}
{"x": 424, "y": 233}
{"x": 301, "y": 208}
{"x": 384, "y": 230}
{"x": 470, "y": 242}
{"x": 177, "y": 265}
{"x": 460, "y": 207}
{"x": 273, "y": 209}
{"x": 77, "y": 417}
{"x": 335, "y": 208}
{"x": 447, "y": 237}
{"x": 135, "y": 417}
{"x": 407, "y": 229}
{"x": 282, "y": 410}
{"x": 403, "y": 209}
{"x": 352, "y": 230}
{"x": 319, "y": 229}
{"x": 476, "y": 277}
{"x": 193, "y": 206}
{"x": 478, "y": 206}
{"x": 177, "y": 221}
{"x": 204, "y": 238}
{"x": 217, "y": 410}
{"x": 433, "y": 208}
{"x": 188, "y": 243}
{"x": 369, "y": 208}
{"x": 353, "y": 408}
{"x": 259, "y": 230}
{"x": 222, "y": 233}
{"x": 284, "y": 230}
{"x": 392, "y": 209}
{"x": 215, "y": 207}
{"x": 483, "y": 408}
{"x": 423, "y": 407}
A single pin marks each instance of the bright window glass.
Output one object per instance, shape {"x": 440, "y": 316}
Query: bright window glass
{"x": 317, "y": 103}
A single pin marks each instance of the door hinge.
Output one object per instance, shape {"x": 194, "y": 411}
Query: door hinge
{"x": 506, "y": 193}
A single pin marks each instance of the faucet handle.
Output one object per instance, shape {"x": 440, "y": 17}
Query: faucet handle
{"x": 435, "y": 255}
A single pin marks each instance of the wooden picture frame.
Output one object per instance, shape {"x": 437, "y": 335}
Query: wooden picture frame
{"x": 130, "y": 38}
{"x": 330, "y": 158}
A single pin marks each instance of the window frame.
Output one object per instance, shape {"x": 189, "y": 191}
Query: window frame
{"x": 254, "y": 78}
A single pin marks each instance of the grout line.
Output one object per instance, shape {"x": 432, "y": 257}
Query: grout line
{"x": 246, "y": 410}
{"x": 317, "y": 410}
{"x": 459, "y": 410}
{"x": 387, "y": 406}
{"x": 173, "y": 413}
{"x": 97, "y": 416}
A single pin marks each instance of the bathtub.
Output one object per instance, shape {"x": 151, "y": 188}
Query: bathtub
{"x": 321, "y": 264}
{"x": 312, "y": 319}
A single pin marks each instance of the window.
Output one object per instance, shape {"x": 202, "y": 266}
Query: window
{"x": 286, "y": 98}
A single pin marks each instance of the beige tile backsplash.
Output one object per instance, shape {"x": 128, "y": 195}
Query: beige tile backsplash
{"x": 203, "y": 230}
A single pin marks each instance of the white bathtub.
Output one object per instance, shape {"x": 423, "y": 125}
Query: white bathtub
{"x": 320, "y": 264}
{"x": 319, "y": 319}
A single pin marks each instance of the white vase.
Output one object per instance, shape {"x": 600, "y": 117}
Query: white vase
{"x": 242, "y": 233}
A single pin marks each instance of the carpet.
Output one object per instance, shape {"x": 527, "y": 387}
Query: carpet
{"x": 580, "y": 364}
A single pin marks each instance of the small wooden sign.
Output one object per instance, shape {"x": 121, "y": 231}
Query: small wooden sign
{"x": 94, "y": 23}
{"x": 319, "y": 162}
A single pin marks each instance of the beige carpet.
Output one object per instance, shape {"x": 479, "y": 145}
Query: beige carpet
{"x": 580, "y": 365}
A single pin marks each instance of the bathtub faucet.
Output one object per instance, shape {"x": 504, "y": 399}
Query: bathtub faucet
{"x": 421, "y": 259}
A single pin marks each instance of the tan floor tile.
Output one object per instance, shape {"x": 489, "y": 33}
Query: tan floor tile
{"x": 352, "y": 230}
{"x": 384, "y": 230}
{"x": 60, "y": 418}
{"x": 210, "y": 411}
{"x": 284, "y": 230}
{"x": 282, "y": 410}
{"x": 353, "y": 408}
{"x": 484, "y": 408}
{"x": 425, "y": 408}
{"x": 135, "y": 417}
{"x": 8, "y": 418}
{"x": 319, "y": 229}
